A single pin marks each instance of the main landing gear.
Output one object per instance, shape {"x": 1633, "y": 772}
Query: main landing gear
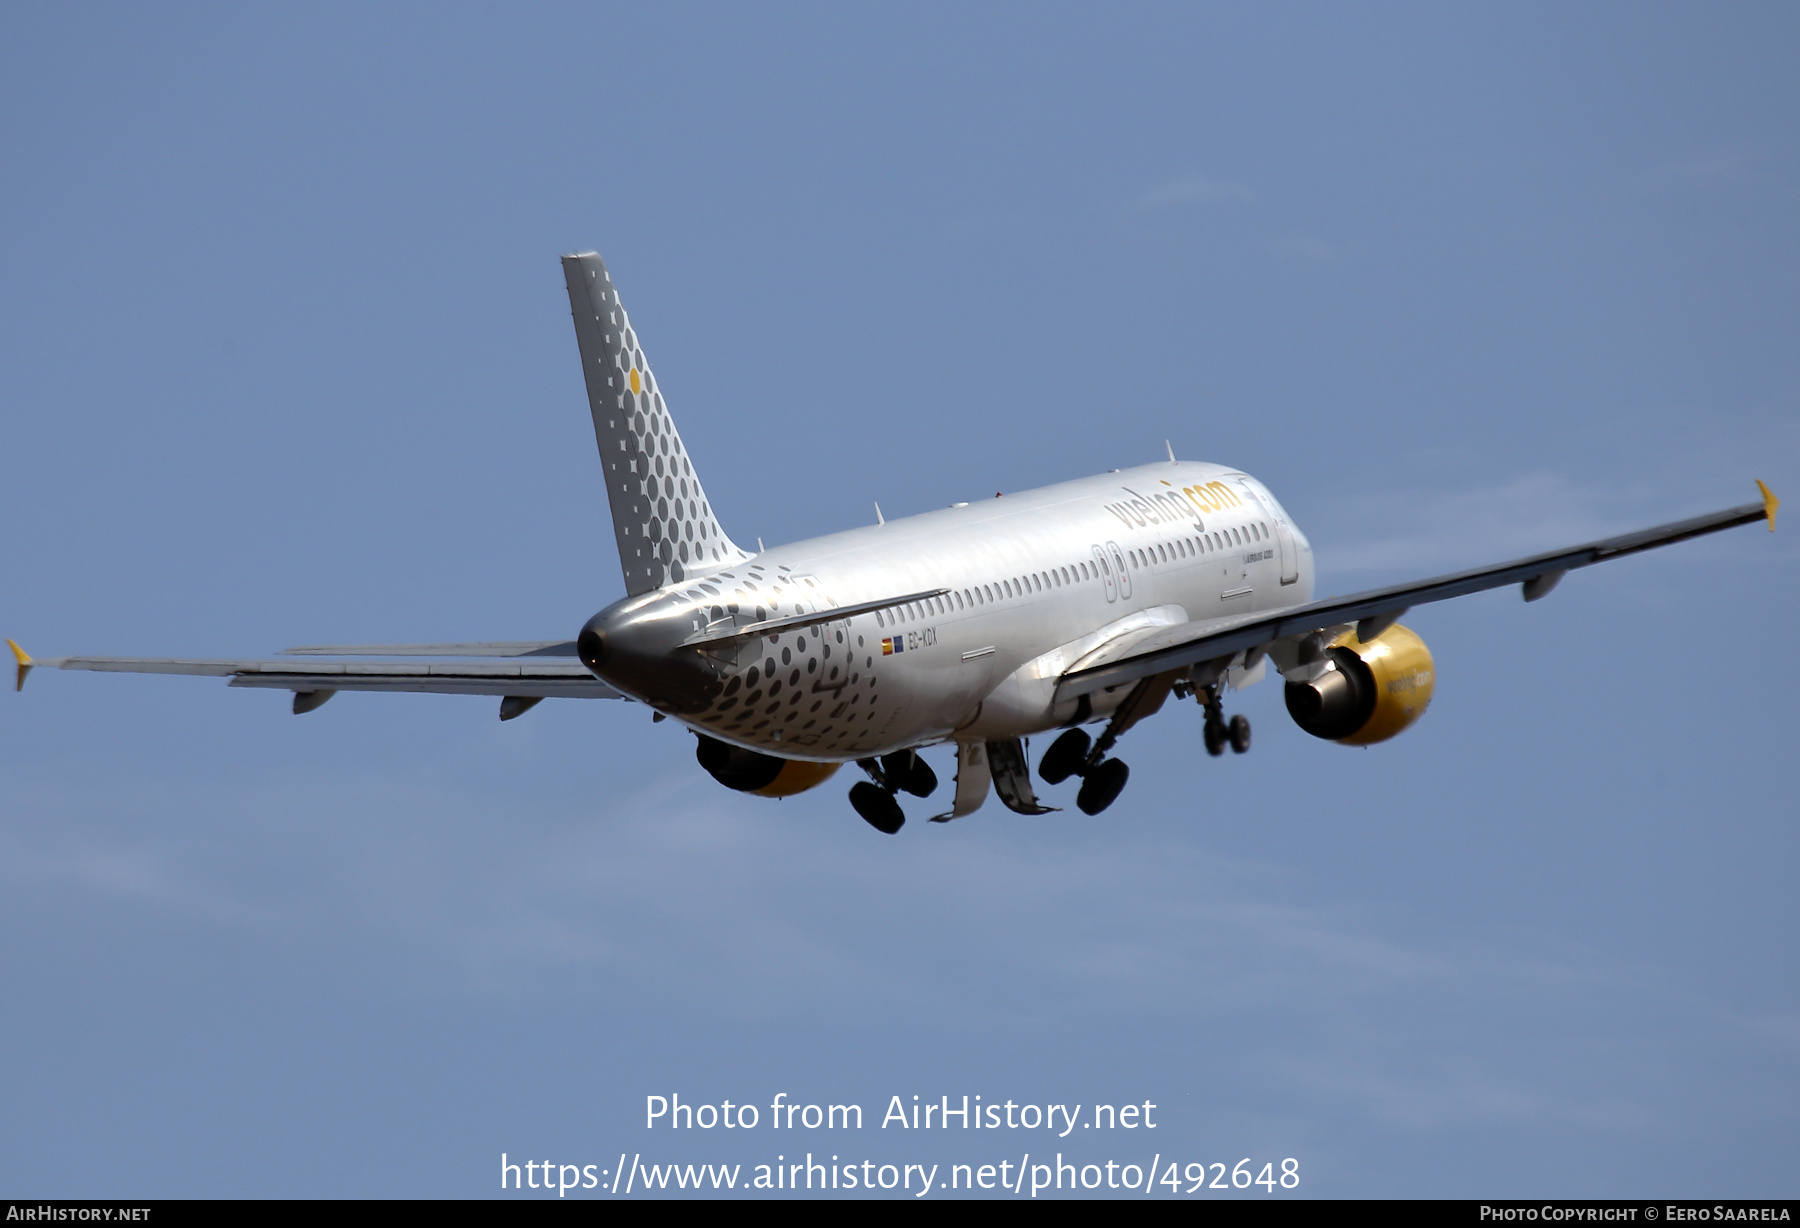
{"x": 1103, "y": 779}
{"x": 1073, "y": 754}
{"x": 1219, "y": 732}
{"x": 874, "y": 798}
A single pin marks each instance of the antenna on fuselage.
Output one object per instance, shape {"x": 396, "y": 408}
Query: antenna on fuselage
{"x": 879, "y": 518}
{"x": 1171, "y": 448}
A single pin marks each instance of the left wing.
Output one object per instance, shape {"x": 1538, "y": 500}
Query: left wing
{"x": 534, "y": 670}
{"x": 1373, "y": 612}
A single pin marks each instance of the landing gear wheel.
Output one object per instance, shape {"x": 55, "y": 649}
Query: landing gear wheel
{"x": 1065, "y": 757}
{"x": 907, "y": 772}
{"x": 1216, "y": 737}
{"x": 1102, "y": 786}
{"x": 1240, "y": 733}
{"x": 877, "y": 807}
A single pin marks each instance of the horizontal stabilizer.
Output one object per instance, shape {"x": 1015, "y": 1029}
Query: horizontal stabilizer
{"x": 775, "y": 626}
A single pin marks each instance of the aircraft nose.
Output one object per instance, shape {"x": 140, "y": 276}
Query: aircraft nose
{"x": 640, "y": 651}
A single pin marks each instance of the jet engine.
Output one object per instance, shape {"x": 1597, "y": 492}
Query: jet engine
{"x": 1367, "y": 692}
{"x": 750, "y": 771}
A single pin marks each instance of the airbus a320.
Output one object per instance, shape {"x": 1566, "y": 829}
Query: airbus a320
{"x": 1087, "y": 603}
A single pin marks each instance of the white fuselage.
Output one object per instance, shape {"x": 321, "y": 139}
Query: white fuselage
{"x": 1036, "y": 581}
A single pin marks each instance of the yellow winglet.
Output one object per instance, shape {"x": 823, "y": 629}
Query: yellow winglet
{"x": 1771, "y": 505}
{"x": 25, "y": 663}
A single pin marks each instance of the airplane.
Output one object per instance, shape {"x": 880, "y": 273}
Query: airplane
{"x": 980, "y": 624}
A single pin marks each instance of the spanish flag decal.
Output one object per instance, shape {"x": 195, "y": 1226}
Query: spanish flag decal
{"x": 892, "y": 645}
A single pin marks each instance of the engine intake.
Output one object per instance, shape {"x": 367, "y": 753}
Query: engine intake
{"x": 1371, "y": 692}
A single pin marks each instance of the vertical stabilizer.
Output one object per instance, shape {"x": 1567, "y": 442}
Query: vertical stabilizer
{"x": 665, "y": 528}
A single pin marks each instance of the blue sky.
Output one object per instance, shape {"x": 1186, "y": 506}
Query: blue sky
{"x": 285, "y": 358}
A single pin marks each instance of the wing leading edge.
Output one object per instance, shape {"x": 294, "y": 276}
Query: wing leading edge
{"x": 1188, "y": 644}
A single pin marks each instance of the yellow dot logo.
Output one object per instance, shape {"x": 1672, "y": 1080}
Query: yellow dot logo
{"x": 636, "y": 384}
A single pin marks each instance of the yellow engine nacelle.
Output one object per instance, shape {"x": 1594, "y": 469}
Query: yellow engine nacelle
{"x": 750, "y": 771}
{"x": 1370, "y": 692}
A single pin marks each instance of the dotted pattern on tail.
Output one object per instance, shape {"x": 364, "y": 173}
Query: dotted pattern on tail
{"x": 665, "y": 527}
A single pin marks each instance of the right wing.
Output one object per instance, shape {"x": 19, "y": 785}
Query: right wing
{"x": 1188, "y": 644}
